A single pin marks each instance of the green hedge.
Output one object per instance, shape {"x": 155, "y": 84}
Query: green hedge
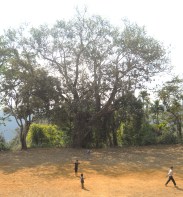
{"x": 45, "y": 135}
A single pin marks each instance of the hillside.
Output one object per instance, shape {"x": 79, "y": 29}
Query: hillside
{"x": 8, "y": 131}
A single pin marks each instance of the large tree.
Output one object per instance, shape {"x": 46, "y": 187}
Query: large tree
{"x": 97, "y": 64}
{"x": 27, "y": 92}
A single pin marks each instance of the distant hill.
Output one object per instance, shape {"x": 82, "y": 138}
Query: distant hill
{"x": 9, "y": 130}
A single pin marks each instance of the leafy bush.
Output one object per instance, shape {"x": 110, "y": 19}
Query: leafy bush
{"x": 3, "y": 144}
{"x": 44, "y": 135}
{"x": 130, "y": 136}
{"x": 37, "y": 136}
{"x": 145, "y": 136}
{"x": 148, "y": 136}
{"x": 167, "y": 137}
{"x": 15, "y": 144}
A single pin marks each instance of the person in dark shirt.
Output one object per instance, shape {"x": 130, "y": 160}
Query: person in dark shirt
{"x": 76, "y": 165}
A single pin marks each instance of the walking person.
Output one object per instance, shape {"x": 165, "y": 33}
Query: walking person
{"x": 76, "y": 165}
{"x": 170, "y": 177}
{"x": 82, "y": 181}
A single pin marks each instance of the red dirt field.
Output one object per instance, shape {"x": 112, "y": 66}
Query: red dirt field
{"x": 119, "y": 172}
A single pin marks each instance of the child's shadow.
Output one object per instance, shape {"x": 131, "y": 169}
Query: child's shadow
{"x": 86, "y": 189}
{"x": 178, "y": 188}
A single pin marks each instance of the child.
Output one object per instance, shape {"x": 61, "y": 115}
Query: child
{"x": 82, "y": 181}
{"x": 170, "y": 175}
{"x": 76, "y": 164}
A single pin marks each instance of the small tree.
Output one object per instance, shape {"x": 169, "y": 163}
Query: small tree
{"x": 172, "y": 97}
{"x": 27, "y": 92}
{"x": 156, "y": 109}
{"x": 3, "y": 145}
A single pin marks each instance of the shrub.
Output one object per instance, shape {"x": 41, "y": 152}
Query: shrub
{"x": 3, "y": 144}
{"x": 167, "y": 137}
{"x": 44, "y": 135}
{"x": 130, "y": 136}
{"x": 148, "y": 136}
{"x": 15, "y": 144}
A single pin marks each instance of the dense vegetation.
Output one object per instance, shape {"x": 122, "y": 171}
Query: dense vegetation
{"x": 80, "y": 78}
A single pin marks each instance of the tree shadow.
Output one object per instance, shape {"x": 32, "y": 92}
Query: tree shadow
{"x": 136, "y": 159}
{"x": 61, "y": 160}
{"x": 50, "y": 163}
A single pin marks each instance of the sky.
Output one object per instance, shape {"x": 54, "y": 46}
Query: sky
{"x": 162, "y": 18}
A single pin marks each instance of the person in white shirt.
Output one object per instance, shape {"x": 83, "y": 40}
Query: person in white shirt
{"x": 170, "y": 176}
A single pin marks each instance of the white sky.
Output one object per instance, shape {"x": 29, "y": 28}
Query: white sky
{"x": 162, "y": 18}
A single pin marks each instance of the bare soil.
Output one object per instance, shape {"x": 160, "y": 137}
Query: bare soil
{"x": 119, "y": 172}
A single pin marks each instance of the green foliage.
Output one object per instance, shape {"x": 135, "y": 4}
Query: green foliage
{"x": 45, "y": 135}
{"x": 120, "y": 134}
{"x": 66, "y": 136}
{"x": 15, "y": 144}
{"x": 36, "y": 136}
{"x": 168, "y": 137}
{"x": 171, "y": 96}
{"x": 156, "y": 110}
{"x": 27, "y": 90}
{"x": 148, "y": 136}
{"x": 129, "y": 136}
{"x": 3, "y": 144}
{"x": 161, "y": 127}
{"x": 131, "y": 112}
{"x": 96, "y": 65}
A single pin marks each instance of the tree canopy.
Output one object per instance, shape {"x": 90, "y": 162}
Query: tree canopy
{"x": 76, "y": 71}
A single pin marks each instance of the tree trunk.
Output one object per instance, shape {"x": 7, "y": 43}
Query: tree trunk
{"x": 23, "y": 134}
{"x": 80, "y": 129}
{"x": 179, "y": 128}
{"x": 23, "y": 142}
{"x": 77, "y": 136}
{"x": 115, "y": 141}
{"x": 23, "y": 139}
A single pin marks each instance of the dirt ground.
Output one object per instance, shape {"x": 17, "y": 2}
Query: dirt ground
{"x": 119, "y": 172}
